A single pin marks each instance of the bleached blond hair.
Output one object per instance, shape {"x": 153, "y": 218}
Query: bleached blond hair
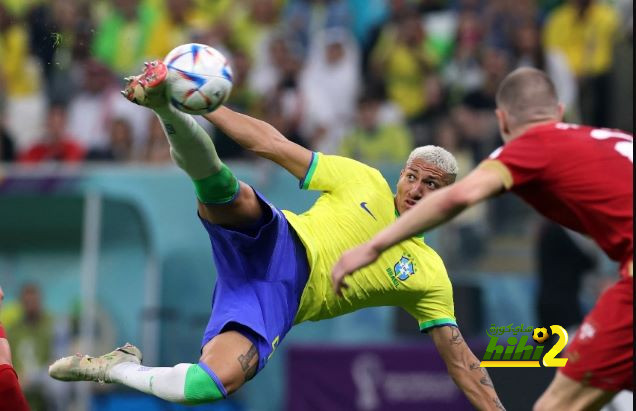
{"x": 436, "y": 156}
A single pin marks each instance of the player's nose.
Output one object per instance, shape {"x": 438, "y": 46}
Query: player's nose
{"x": 416, "y": 192}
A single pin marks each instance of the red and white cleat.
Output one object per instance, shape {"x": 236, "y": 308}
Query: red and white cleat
{"x": 149, "y": 88}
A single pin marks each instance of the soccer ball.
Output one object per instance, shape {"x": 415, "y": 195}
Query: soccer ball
{"x": 199, "y": 78}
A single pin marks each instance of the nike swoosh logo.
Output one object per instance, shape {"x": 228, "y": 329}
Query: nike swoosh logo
{"x": 364, "y": 207}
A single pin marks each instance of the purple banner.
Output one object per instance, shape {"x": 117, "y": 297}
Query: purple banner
{"x": 403, "y": 377}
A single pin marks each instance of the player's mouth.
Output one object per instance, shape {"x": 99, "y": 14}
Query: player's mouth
{"x": 410, "y": 203}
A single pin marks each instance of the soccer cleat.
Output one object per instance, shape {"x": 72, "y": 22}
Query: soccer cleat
{"x": 149, "y": 88}
{"x": 85, "y": 368}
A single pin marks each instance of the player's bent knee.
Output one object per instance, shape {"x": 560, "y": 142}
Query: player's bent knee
{"x": 203, "y": 385}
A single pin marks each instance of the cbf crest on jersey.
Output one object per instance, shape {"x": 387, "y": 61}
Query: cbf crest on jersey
{"x": 404, "y": 268}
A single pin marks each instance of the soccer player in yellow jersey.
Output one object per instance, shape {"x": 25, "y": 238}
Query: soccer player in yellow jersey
{"x": 274, "y": 266}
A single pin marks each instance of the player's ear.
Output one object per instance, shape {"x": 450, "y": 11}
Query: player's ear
{"x": 502, "y": 120}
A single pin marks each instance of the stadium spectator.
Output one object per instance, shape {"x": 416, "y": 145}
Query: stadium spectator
{"x": 537, "y": 163}
{"x": 329, "y": 85}
{"x": 10, "y": 392}
{"x": 278, "y": 66}
{"x": 7, "y": 147}
{"x": 157, "y": 149}
{"x": 502, "y": 17}
{"x": 585, "y": 31}
{"x": 463, "y": 73}
{"x": 60, "y": 36}
{"x": 474, "y": 116}
{"x": 386, "y": 28}
{"x": 253, "y": 27}
{"x": 242, "y": 99}
{"x": 306, "y": 18}
{"x": 404, "y": 59}
{"x": 527, "y": 51}
{"x": 92, "y": 110}
{"x": 33, "y": 340}
{"x": 21, "y": 81}
{"x": 372, "y": 141}
{"x": 255, "y": 303}
{"x": 123, "y": 37}
{"x": 57, "y": 145}
{"x": 177, "y": 23}
{"x": 120, "y": 148}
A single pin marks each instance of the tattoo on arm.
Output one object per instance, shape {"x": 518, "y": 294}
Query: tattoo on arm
{"x": 498, "y": 404}
{"x": 485, "y": 380}
{"x": 245, "y": 359}
{"x": 456, "y": 336}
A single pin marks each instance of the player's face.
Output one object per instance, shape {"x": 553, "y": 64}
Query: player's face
{"x": 417, "y": 180}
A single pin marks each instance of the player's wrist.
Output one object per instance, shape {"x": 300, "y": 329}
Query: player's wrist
{"x": 376, "y": 246}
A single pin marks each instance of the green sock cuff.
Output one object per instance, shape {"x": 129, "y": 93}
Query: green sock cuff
{"x": 200, "y": 387}
{"x": 219, "y": 188}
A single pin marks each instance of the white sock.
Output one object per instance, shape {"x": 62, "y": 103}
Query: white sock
{"x": 167, "y": 383}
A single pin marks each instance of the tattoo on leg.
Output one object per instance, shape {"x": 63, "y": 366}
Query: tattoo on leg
{"x": 456, "y": 336}
{"x": 251, "y": 372}
{"x": 245, "y": 359}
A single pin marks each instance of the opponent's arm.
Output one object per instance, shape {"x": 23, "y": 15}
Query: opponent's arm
{"x": 262, "y": 139}
{"x": 441, "y": 206}
{"x": 464, "y": 369}
{"x": 433, "y": 210}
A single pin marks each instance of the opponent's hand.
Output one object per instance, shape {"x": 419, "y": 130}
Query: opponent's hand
{"x": 148, "y": 89}
{"x": 351, "y": 261}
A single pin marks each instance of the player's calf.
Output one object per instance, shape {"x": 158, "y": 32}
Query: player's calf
{"x": 233, "y": 357}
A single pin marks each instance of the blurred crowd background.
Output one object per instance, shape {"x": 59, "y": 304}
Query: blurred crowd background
{"x": 368, "y": 79}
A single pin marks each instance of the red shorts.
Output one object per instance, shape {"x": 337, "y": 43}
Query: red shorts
{"x": 11, "y": 396}
{"x": 601, "y": 353}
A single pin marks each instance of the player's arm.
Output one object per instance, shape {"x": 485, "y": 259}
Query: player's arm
{"x": 464, "y": 369}
{"x": 5, "y": 350}
{"x": 428, "y": 213}
{"x": 262, "y": 139}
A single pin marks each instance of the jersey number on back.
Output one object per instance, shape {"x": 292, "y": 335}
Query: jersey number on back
{"x": 624, "y": 148}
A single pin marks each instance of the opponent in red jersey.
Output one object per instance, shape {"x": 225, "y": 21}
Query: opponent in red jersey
{"x": 11, "y": 397}
{"x": 579, "y": 177}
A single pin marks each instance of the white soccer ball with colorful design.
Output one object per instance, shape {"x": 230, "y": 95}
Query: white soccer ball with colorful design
{"x": 199, "y": 78}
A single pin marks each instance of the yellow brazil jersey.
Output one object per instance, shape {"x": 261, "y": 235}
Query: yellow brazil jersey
{"x": 356, "y": 203}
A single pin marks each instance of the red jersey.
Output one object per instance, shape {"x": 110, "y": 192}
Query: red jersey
{"x": 65, "y": 150}
{"x": 580, "y": 177}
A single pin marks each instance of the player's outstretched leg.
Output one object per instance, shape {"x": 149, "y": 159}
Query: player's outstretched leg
{"x": 86, "y": 368}
{"x": 230, "y": 202}
{"x": 228, "y": 361}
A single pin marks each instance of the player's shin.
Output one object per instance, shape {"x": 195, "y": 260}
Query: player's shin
{"x": 183, "y": 383}
{"x": 193, "y": 150}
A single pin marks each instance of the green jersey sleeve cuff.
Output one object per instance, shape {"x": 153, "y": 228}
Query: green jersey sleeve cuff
{"x": 304, "y": 183}
{"x": 440, "y": 322}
